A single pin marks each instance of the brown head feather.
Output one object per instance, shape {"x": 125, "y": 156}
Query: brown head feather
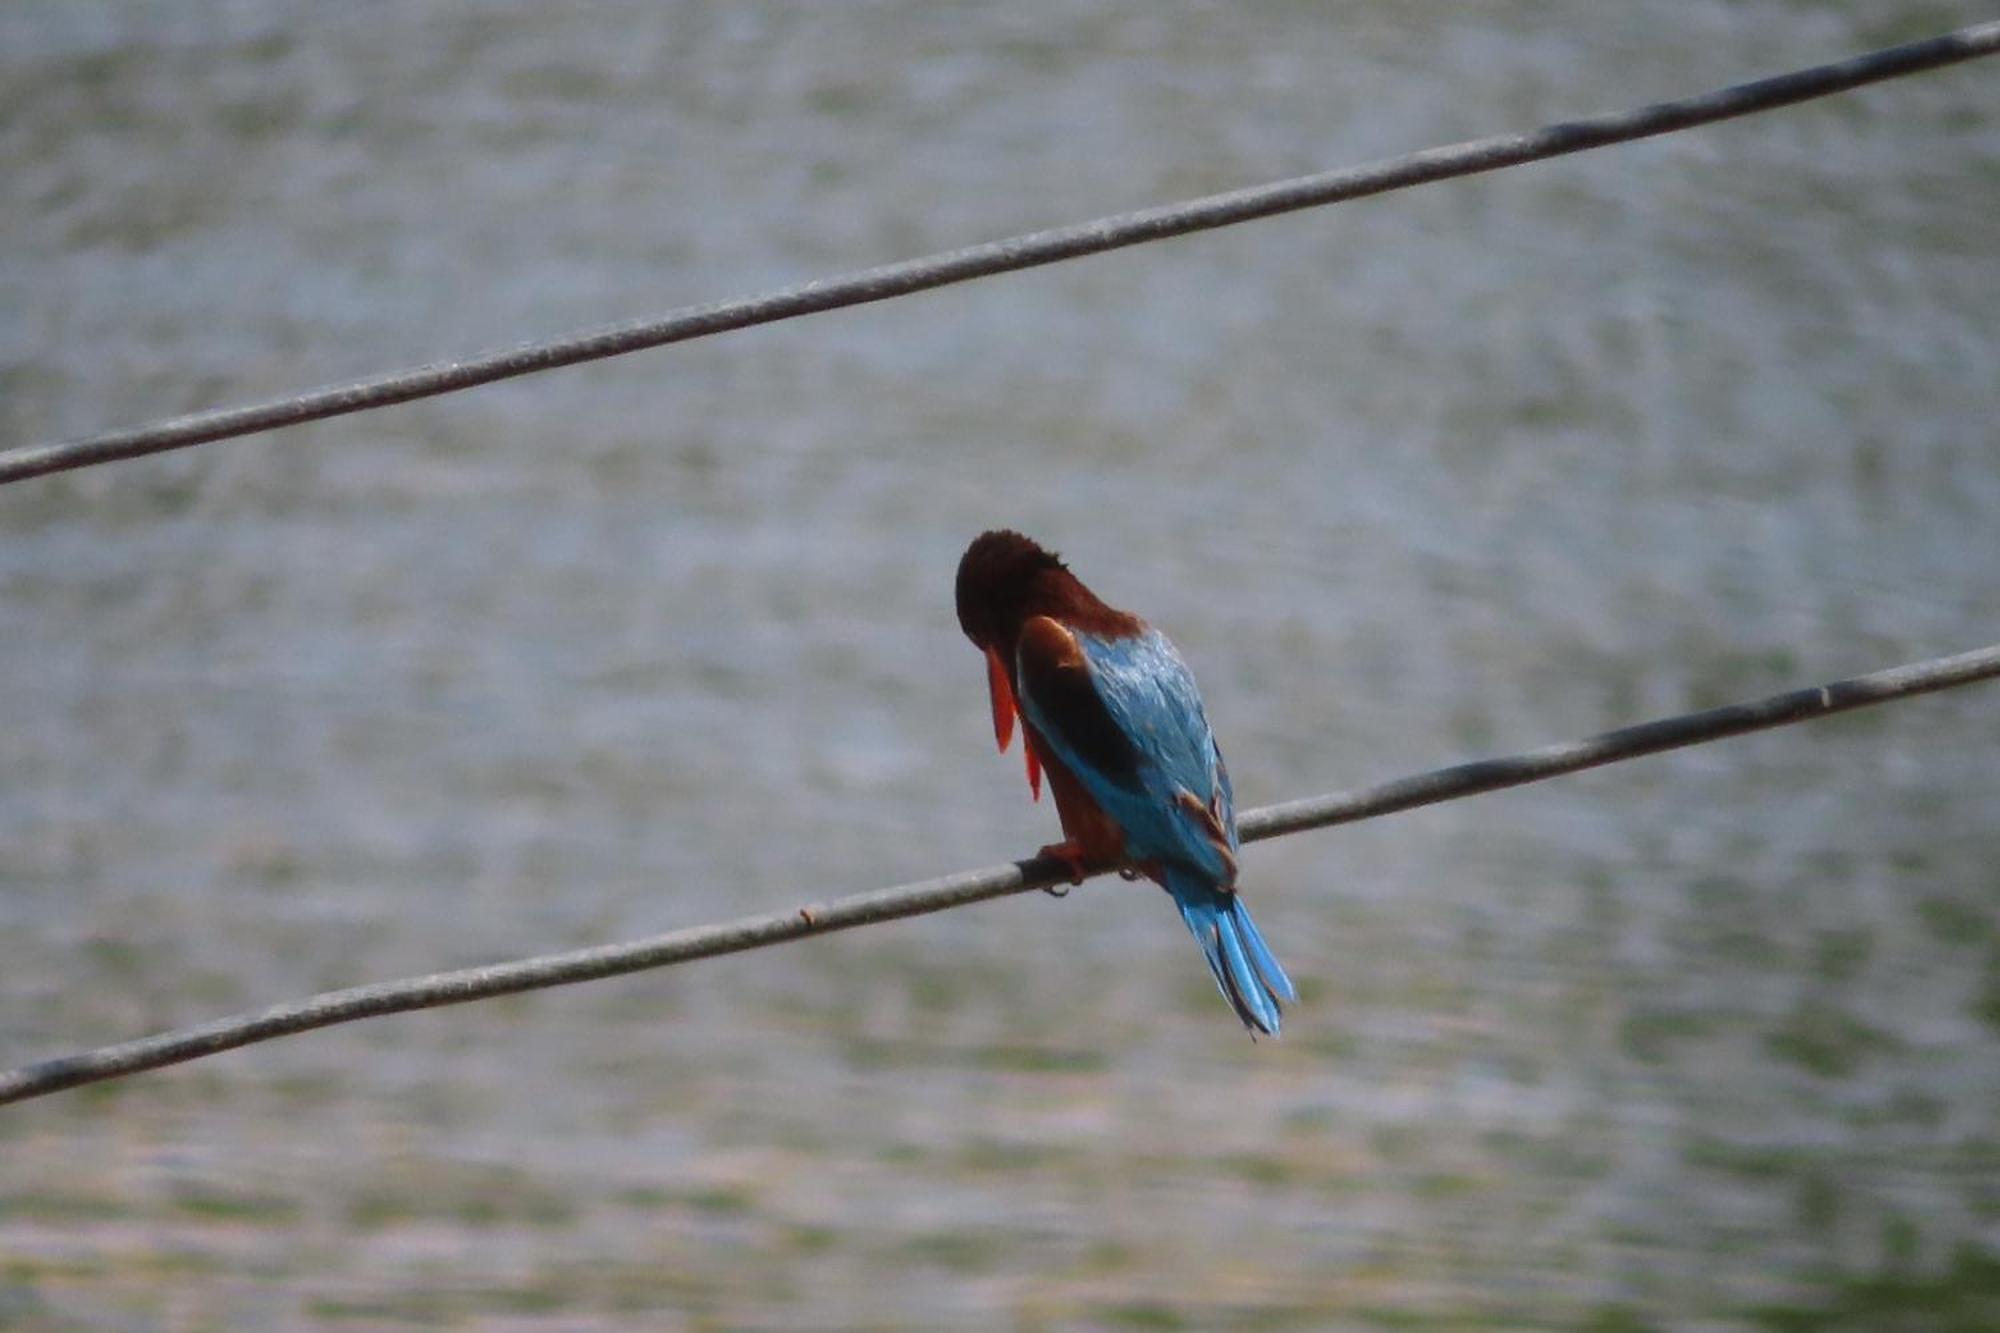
{"x": 1004, "y": 578}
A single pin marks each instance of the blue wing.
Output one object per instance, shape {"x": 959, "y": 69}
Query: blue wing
{"x": 1125, "y": 717}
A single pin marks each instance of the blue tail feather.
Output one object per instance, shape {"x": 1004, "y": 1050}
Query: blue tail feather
{"x": 1266, "y": 962}
{"x": 1252, "y": 998}
{"x": 1246, "y": 972}
{"x": 1201, "y": 921}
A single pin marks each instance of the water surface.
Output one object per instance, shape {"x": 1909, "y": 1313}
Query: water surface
{"x": 1711, "y": 1039}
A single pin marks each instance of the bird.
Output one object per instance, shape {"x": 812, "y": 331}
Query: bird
{"x": 1111, "y": 714}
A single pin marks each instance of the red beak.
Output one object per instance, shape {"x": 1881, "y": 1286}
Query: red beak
{"x": 1003, "y": 699}
{"x": 1004, "y": 709}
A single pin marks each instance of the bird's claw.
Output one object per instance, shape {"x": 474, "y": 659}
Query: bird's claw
{"x": 1070, "y": 856}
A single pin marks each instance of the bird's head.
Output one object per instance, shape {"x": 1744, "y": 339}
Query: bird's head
{"x": 1000, "y": 575}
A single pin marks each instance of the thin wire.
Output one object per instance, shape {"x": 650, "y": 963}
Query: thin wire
{"x": 1018, "y": 252}
{"x": 972, "y": 886}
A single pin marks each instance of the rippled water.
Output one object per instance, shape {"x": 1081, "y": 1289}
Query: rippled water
{"x": 1711, "y": 1039}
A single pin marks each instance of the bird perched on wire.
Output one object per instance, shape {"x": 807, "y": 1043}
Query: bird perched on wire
{"x": 1112, "y": 715}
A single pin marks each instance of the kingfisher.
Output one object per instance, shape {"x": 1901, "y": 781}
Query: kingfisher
{"x": 1111, "y": 714}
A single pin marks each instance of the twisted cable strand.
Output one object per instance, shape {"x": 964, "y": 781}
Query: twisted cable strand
{"x": 971, "y": 886}
{"x": 1003, "y": 256}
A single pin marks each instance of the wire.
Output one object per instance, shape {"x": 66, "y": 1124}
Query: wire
{"x": 1018, "y": 252}
{"x": 972, "y": 886}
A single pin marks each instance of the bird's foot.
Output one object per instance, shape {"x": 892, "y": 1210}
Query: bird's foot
{"x": 1070, "y": 855}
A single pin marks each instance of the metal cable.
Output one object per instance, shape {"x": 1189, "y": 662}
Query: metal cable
{"x": 1018, "y": 252}
{"x": 971, "y": 886}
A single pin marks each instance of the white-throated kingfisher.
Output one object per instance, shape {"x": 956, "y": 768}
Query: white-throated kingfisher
{"x": 1112, "y": 715}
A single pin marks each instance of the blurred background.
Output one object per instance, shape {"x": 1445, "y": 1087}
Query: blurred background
{"x": 1710, "y": 1039}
